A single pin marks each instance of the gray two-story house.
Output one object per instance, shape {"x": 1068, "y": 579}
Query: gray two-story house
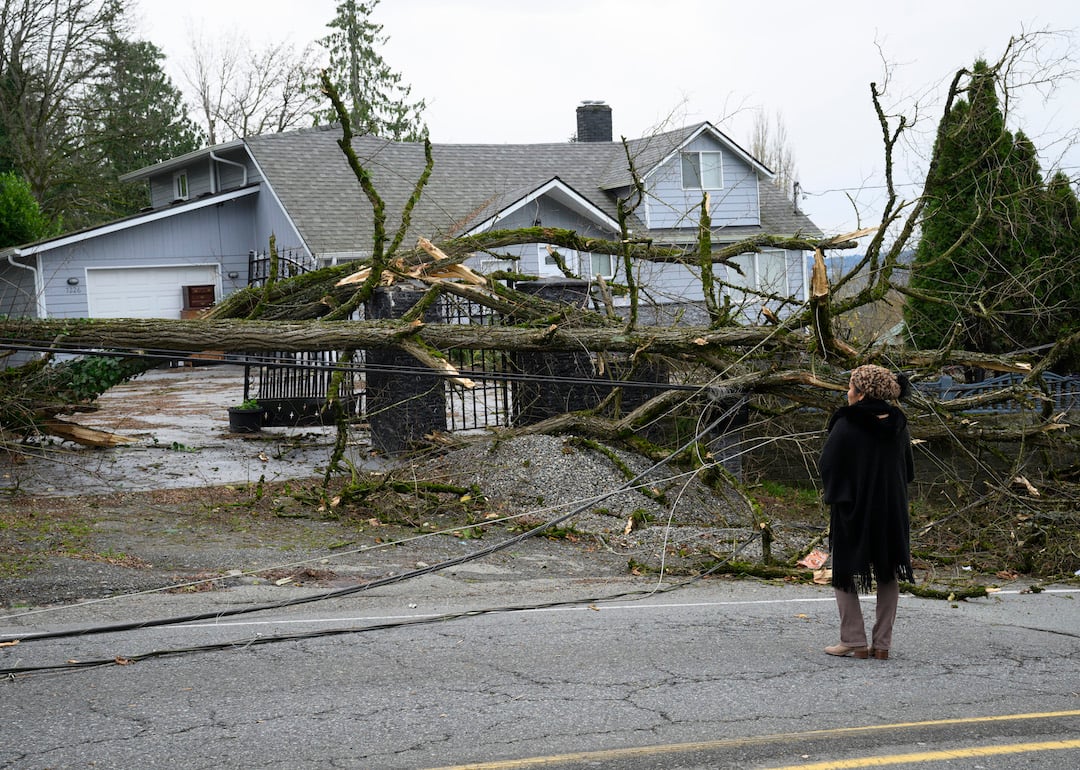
{"x": 213, "y": 212}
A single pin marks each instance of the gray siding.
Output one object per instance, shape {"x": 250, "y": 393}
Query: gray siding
{"x": 226, "y": 176}
{"x": 796, "y": 263}
{"x": 270, "y": 219}
{"x": 665, "y": 282}
{"x": 669, "y": 205}
{"x": 221, "y": 234}
{"x": 18, "y": 294}
{"x": 669, "y": 282}
{"x": 551, "y": 214}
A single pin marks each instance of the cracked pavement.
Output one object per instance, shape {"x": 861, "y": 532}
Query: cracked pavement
{"x": 718, "y": 659}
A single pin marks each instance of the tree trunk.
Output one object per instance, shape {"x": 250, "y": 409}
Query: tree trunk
{"x": 294, "y": 336}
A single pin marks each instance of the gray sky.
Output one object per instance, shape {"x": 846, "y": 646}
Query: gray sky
{"x": 513, "y": 72}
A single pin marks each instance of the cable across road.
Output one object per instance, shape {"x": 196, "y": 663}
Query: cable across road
{"x": 347, "y": 591}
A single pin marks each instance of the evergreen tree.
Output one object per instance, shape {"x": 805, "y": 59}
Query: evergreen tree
{"x": 992, "y": 235}
{"x": 377, "y": 99}
{"x": 21, "y": 220}
{"x": 1059, "y": 267}
{"x": 134, "y": 117}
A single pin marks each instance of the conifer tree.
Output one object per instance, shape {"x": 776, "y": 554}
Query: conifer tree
{"x": 377, "y": 99}
{"x": 992, "y": 234}
{"x": 135, "y": 117}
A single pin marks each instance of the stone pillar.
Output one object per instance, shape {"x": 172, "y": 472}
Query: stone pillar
{"x": 646, "y": 370}
{"x": 401, "y": 406}
{"x": 540, "y": 398}
{"x": 725, "y": 441}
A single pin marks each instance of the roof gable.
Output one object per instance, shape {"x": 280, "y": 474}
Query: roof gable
{"x": 559, "y": 191}
{"x": 135, "y": 220}
{"x": 651, "y": 153}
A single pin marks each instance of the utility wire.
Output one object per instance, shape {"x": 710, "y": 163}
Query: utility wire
{"x": 329, "y": 632}
{"x": 714, "y": 393}
{"x": 494, "y": 548}
{"x": 688, "y": 476}
{"x": 309, "y": 366}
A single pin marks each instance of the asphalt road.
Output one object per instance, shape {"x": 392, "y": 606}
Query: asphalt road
{"x": 719, "y": 674}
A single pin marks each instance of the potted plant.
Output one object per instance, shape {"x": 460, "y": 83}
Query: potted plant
{"x": 246, "y": 418}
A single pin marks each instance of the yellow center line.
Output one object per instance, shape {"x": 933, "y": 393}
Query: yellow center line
{"x": 934, "y": 756}
{"x": 675, "y": 748}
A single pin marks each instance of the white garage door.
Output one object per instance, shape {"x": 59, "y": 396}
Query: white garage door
{"x": 143, "y": 292}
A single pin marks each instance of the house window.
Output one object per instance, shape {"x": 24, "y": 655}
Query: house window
{"x": 180, "y": 188}
{"x": 772, "y": 272}
{"x": 702, "y": 171}
{"x": 766, "y": 272}
{"x": 600, "y": 265}
{"x": 548, "y": 265}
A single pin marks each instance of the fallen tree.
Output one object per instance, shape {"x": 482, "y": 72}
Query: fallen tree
{"x": 796, "y": 361}
{"x": 308, "y": 312}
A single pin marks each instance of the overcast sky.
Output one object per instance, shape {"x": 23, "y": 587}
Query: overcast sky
{"x": 513, "y": 72}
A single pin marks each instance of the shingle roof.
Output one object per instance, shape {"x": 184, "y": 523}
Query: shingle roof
{"x": 469, "y": 182}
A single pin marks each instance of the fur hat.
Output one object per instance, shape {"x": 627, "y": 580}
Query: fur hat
{"x": 875, "y": 381}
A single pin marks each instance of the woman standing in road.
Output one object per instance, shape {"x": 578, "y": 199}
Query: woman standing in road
{"x": 865, "y": 467}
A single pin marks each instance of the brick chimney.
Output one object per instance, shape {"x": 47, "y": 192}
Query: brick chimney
{"x": 593, "y": 122}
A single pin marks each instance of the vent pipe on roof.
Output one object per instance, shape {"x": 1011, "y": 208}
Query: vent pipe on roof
{"x": 593, "y": 122}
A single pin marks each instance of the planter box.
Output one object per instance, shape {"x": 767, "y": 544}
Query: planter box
{"x": 245, "y": 420}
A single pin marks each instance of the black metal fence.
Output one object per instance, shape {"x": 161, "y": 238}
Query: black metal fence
{"x": 488, "y": 403}
{"x": 292, "y": 387}
{"x": 291, "y": 262}
{"x": 508, "y": 388}
{"x": 1064, "y": 390}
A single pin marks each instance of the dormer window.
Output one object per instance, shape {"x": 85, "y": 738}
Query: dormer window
{"x": 180, "y": 186}
{"x": 702, "y": 171}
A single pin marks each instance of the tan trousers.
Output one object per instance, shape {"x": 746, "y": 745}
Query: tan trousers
{"x": 852, "y": 630}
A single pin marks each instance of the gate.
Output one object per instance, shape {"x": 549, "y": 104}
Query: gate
{"x": 291, "y": 387}
{"x": 488, "y": 403}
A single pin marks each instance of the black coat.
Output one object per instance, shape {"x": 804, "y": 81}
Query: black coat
{"x": 865, "y": 467}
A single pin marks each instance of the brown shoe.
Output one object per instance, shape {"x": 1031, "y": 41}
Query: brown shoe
{"x": 843, "y": 650}
{"x": 879, "y": 654}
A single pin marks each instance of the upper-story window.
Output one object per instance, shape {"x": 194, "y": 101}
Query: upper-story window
{"x": 180, "y": 186}
{"x": 702, "y": 171}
